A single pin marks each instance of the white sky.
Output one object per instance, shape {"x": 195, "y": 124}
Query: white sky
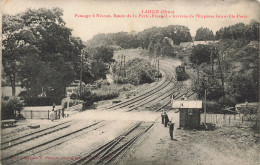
{"x": 87, "y": 28}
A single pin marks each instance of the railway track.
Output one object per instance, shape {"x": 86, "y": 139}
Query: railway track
{"x": 164, "y": 89}
{"x": 13, "y": 155}
{"x": 178, "y": 90}
{"x": 164, "y": 95}
{"x": 111, "y": 152}
{"x": 155, "y": 98}
{"x": 188, "y": 93}
{"x": 33, "y": 135}
{"x": 146, "y": 93}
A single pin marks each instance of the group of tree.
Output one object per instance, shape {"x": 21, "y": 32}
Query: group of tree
{"x": 137, "y": 71}
{"x": 200, "y": 54}
{"x": 122, "y": 39}
{"x": 161, "y": 40}
{"x": 97, "y": 62}
{"x": 158, "y": 40}
{"x": 204, "y": 34}
{"x": 228, "y": 69}
{"x": 40, "y": 53}
{"x": 239, "y": 31}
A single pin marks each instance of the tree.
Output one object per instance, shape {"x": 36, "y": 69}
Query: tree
{"x": 243, "y": 82}
{"x": 167, "y": 49}
{"x": 248, "y": 32}
{"x": 100, "y": 57}
{"x": 200, "y": 54}
{"x": 9, "y": 107}
{"x": 214, "y": 90}
{"x": 139, "y": 71}
{"x": 204, "y": 34}
{"x": 252, "y": 32}
{"x": 145, "y": 37}
{"x": 45, "y": 54}
{"x": 17, "y": 42}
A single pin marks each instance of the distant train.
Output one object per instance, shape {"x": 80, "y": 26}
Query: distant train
{"x": 180, "y": 73}
{"x": 158, "y": 75}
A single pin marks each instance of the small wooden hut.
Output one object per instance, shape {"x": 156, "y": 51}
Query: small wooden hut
{"x": 189, "y": 112}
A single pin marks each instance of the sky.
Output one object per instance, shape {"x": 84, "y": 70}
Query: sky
{"x": 86, "y": 28}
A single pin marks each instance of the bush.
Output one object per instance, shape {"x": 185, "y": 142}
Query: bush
{"x": 138, "y": 71}
{"x": 90, "y": 97}
{"x": 120, "y": 80}
{"x": 214, "y": 107}
{"x": 200, "y": 54}
{"x": 9, "y": 108}
{"x": 87, "y": 96}
{"x": 102, "y": 82}
{"x": 41, "y": 101}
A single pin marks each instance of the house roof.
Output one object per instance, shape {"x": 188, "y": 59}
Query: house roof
{"x": 194, "y": 104}
{"x": 253, "y": 44}
{"x": 185, "y": 44}
{"x": 190, "y": 44}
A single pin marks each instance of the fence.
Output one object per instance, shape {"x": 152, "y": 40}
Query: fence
{"x": 37, "y": 114}
{"x": 238, "y": 120}
{"x": 77, "y": 107}
{"x": 34, "y": 114}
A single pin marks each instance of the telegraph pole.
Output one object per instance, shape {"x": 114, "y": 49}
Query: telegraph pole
{"x": 198, "y": 72}
{"x": 158, "y": 70}
{"x": 205, "y": 103}
{"x": 212, "y": 63}
{"x": 80, "y": 83}
{"x": 154, "y": 63}
{"x": 222, "y": 79}
{"x": 120, "y": 65}
{"x": 124, "y": 66}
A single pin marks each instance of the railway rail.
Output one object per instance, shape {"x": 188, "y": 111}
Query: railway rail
{"x": 28, "y": 150}
{"x": 159, "y": 86}
{"x": 112, "y": 151}
{"x": 167, "y": 85}
{"x": 36, "y": 134}
{"x": 10, "y": 138}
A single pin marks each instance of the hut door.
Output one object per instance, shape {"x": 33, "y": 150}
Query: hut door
{"x": 189, "y": 118}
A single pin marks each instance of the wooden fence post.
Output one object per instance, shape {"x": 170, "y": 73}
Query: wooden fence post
{"x": 48, "y": 114}
{"x": 216, "y": 119}
{"x": 242, "y": 119}
{"x": 31, "y": 114}
{"x": 256, "y": 126}
{"x": 229, "y": 119}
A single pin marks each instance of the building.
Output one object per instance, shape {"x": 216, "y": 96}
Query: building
{"x": 189, "y": 111}
{"x": 253, "y": 44}
{"x": 186, "y": 45}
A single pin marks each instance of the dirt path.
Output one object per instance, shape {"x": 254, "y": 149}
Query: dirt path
{"x": 224, "y": 146}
